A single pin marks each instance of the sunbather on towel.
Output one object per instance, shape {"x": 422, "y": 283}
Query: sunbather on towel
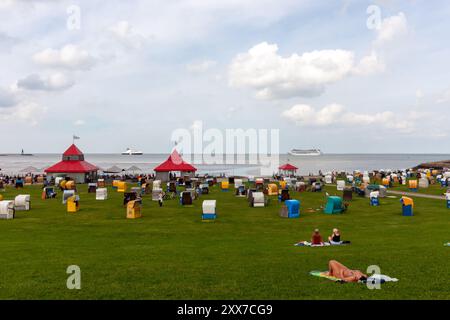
{"x": 338, "y": 270}
{"x": 316, "y": 238}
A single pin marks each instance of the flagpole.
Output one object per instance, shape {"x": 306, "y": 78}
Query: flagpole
{"x": 74, "y": 137}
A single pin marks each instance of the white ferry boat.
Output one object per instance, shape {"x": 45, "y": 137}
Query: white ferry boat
{"x": 130, "y": 152}
{"x": 306, "y": 152}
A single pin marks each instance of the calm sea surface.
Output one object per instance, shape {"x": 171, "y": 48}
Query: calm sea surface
{"x": 306, "y": 164}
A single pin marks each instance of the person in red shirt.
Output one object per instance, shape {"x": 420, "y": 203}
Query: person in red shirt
{"x": 316, "y": 238}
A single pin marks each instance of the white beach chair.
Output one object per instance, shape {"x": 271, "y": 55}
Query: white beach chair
{"x": 101, "y": 194}
{"x": 22, "y": 202}
{"x": 340, "y": 185}
{"x": 258, "y": 199}
{"x": 7, "y": 209}
{"x": 424, "y": 183}
{"x": 209, "y": 209}
{"x": 157, "y": 184}
{"x": 238, "y": 183}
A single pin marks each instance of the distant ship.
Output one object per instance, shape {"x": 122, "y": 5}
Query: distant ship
{"x": 306, "y": 152}
{"x": 130, "y": 152}
{"x": 25, "y": 154}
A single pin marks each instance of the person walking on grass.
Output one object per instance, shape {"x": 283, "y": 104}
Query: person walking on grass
{"x": 160, "y": 199}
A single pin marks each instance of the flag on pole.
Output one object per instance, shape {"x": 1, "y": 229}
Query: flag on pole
{"x": 74, "y": 137}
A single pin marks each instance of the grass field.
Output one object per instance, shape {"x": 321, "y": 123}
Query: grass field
{"x": 247, "y": 253}
{"x": 433, "y": 189}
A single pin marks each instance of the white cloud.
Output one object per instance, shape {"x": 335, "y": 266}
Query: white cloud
{"x": 369, "y": 65}
{"x": 152, "y": 75}
{"x": 28, "y": 112}
{"x": 274, "y": 76}
{"x": 53, "y": 82}
{"x": 303, "y": 114}
{"x": 15, "y": 109}
{"x": 335, "y": 114}
{"x": 79, "y": 122}
{"x": 202, "y": 66}
{"x": 127, "y": 34}
{"x": 31, "y": 112}
{"x": 391, "y": 29}
{"x": 70, "y": 56}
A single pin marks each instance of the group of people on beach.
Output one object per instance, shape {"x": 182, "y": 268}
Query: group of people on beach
{"x": 334, "y": 238}
{"x": 335, "y": 268}
{"x": 11, "y": 179}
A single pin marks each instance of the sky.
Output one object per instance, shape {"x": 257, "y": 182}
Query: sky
{"x": 344, "y": 76}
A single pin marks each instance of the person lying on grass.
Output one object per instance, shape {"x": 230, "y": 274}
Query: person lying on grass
{"x": 338, "y": 270}
{"x": 316, "y": 238}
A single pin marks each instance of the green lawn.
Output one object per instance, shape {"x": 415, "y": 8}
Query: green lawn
{"x": 433, "y": 189}
{"x": 247, "y": 253}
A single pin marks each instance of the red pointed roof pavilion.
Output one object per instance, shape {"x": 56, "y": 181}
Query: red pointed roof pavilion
{"x": 287, "y": 167}
{"x": 175, "y": 163}
{"x": 72, "y": 162}
{"x": 73, "y": 151}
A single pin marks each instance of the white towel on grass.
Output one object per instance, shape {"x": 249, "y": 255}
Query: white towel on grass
{"x": 380, "y": 278}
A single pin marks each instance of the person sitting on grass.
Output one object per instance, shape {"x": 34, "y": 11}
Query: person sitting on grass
{"x": 338, "y": 270}
{"x": 316, "y": 238}
{"x": 335, "y": 237}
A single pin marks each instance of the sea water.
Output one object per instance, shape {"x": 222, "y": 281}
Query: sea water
{"x": 12, "y": 164}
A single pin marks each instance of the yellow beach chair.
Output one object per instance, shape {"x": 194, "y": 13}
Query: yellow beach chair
{"x": 134, "y": 209}
{"x": 73, "y": 204}
{"x": 272, "y": 189}
{"x": 224, "y": 185}
{"x": 121, "y": 186}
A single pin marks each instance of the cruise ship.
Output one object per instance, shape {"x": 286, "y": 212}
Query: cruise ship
{"x": 130, "y": 152}
{"x": 305, "y": 152}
